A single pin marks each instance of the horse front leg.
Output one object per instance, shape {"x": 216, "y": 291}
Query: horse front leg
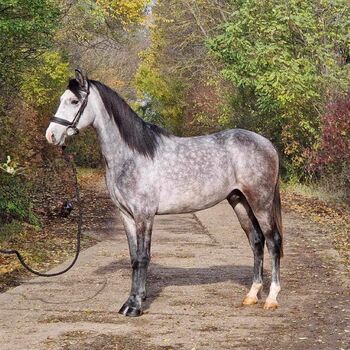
{"x": 139, "y": 239}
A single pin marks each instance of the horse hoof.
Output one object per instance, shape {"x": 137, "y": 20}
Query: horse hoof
{"x": 250, "y": 301}
{"x": 131, "y": 311}
{"x": 270, "y": 305}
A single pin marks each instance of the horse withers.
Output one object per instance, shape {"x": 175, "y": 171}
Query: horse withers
{"x": 152, "y": 172}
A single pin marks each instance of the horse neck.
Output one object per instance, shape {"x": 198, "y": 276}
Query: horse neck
{"x": 113, "y": 148}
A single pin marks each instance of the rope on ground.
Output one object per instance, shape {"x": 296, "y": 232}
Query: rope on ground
{"x": 79, "y": 228}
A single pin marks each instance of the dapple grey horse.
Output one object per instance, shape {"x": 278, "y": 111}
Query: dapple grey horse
{"x": 152, "y": 172}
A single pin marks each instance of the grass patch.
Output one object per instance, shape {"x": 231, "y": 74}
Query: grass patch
{"x": 315, "y": 191}
{"x": 10, "y": 230}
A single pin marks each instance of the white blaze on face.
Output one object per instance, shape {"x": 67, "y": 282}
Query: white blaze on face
{"x": 69, "y": 105}
{"x": 56, "y": 134}
{"x": 48, "y": 135}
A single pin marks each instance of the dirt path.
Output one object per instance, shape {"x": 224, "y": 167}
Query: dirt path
{"x": 201, "y": 269}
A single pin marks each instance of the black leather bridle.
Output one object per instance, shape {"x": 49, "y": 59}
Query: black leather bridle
{"x": 72, "y": 126}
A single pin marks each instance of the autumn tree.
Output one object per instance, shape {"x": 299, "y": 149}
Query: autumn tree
{"x": 104, "y": 38}
{"x": 40, "y": 42}
{"x": 177, "y": 79}
{"x": 285, "y": 61}
{"x": 26, "y": 30}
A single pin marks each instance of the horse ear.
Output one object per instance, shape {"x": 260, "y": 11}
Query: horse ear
{"x": 81, "y": 79}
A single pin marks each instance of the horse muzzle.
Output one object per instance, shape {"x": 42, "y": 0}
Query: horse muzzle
{"x": 53, "y": 139}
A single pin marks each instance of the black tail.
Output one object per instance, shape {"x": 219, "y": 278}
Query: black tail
{"x": 277, "y": 214}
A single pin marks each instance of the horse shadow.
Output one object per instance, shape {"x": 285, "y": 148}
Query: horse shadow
{"x": 160, "y": 276}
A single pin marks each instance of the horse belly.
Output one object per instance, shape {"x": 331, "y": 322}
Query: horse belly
{"x": 193, "y": 195}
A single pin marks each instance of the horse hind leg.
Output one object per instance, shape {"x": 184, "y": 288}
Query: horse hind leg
{"x": 256, "y": 239}
{"x": 274, "y": 245}
{"x": 266, "y": 206}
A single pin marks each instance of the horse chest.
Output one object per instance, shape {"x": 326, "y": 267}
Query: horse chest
{"x": 130, "y": 193}
{"x": 115, "y": 192}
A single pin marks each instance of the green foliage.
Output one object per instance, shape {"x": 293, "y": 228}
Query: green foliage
{"x": 163, "y": 95}
{"x": 26, "y": 30}
{"x": 86, "y": 150}
{"x": 284, "y": 58}
{"x": 37, "y": 40}
{"x": 43, "y": 85}
{"x": 14, "y": 200}
{"x": 9, "y": 230}
{"x": 176, "y": 78}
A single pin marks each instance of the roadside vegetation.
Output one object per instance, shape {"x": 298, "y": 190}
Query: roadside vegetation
{"x": 194, "y": 67}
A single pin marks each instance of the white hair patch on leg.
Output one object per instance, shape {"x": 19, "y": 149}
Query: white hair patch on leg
{"x": 252, "y": 296}
{"x": 271, "y": 301}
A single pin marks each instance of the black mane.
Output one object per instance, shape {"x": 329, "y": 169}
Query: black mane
{"x": 74, "y": 86}
{"x": 139, "y": 135}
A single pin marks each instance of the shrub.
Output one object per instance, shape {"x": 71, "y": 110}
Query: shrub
{"x": 331, "y": 157}
{"x": 15, "y": 203}
{"x": 86, "y": 149}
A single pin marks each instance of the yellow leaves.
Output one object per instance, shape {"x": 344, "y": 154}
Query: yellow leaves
{"x": 148, "y": 79}
{"x": 127, "y": 12}
{"x": 329, "y": 216}
{"x": 41, "y": 86}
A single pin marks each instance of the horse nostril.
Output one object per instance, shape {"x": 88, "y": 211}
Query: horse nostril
{"x": 53, "y": 139}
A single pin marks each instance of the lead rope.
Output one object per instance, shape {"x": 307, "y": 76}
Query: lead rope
{"x": 79, "y": 224}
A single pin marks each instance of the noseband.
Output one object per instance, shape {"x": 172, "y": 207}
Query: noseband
{"x": 72, "y": 126}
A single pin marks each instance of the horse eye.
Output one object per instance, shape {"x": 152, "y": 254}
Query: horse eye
{"x": 75, "y": 102}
